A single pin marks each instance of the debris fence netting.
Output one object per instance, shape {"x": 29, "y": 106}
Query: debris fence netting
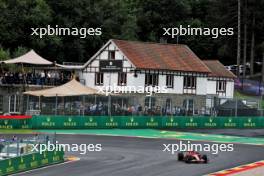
{"x": 160, "y": 105}
{"x": 14, "y": 146}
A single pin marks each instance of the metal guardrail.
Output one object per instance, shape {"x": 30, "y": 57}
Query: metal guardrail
{"x": 30, "y": 161}
{"x": 14, "y": 147}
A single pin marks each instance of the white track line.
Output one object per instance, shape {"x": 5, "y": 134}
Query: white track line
{"x": 45, "y": 167}
{"x": 154, "y": 137}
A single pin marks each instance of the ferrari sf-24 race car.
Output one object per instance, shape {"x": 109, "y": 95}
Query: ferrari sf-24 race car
{"x": 192, "y": 157}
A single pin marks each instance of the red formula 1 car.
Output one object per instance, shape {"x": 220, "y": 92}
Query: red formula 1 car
{"x": 192, "y": 157}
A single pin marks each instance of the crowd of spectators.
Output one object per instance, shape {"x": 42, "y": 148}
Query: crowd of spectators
{"x": 101, "y": 108}
{"x": 138, "y": 110}
{"x": 117, "y": 109}
{"x": 35, "y": 78}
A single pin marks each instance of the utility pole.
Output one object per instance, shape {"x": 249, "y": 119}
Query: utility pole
{"x": 262, "y": 68}
{"x": 238, "y": 37}
{"x": 245, "y": 40}
{"x": 252, "y": 54}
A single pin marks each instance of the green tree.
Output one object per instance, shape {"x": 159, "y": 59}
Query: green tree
{"x": 19, "y": 51}
{"x": 4, "y": 55}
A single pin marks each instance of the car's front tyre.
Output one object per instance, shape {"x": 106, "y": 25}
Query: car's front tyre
{"x": 204, "y": 157}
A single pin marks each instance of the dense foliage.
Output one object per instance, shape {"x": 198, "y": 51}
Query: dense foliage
{"x": 127, "y": 19}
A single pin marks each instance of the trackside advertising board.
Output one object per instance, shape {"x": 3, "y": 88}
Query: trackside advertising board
{"x": 30, "y": 161}
{"x": 89, "y": 122}
{"x": 103, "y": 122}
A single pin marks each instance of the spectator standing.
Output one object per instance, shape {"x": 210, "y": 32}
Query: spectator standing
{"x": 42, "y": 77}
{"x": 48, "y": 77}
{"x": 20, "y": 77}
{"x": 139, "y": 109}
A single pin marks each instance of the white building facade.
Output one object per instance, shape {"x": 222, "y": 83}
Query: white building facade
{"x": 176, "y": 68}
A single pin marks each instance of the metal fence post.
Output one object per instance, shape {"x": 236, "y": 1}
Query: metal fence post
{"x": 236, "y": 108}
{"x": 262, "y": 104}
{"x": 17, "y": 148}
{"x": 55, "y": 136}
{"x": 83, "y": 104}
{"x": 8, "y": 145}
{"x": 56, "y": 106}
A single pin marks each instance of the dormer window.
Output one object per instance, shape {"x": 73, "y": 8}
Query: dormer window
{"x": 111, "y": 55}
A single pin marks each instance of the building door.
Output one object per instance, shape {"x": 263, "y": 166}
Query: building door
{"x": 188, "y": 105}
{"x": 168, "y": 107}
{"x": 150, "y": 102}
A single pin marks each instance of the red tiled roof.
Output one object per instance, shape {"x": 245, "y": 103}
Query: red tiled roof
{"x": 218, "y": 69}
{"x": 173, "y": 57}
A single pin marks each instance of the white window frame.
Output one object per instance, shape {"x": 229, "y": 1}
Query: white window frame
{"x": 189, "y": 89}
{"x": 169, "y": 81}
{"x": 149, "y": 101}
{"x": 110, "y": 52}
{"x": 99, "y": 80}
{"x": 222, "y": 91}
{"x": 122, "y": 79}
{"x": 222, "y": 84}
{"x": 154, "y": 79}
{"x": 15, "y": 105}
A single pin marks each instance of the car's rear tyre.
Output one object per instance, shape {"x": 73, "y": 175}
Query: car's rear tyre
{"x": 180, "y": 156}
{"x": 204, "y": 157}
{"x": 188, "y": 159}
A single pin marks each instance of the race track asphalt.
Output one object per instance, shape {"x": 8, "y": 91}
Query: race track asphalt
{"x": 230, "y": 132}
{"x": 126, "y": 156}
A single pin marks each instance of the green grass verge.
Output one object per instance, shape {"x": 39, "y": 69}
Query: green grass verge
{"x": 238, "y": 94}
{"x": 16, "y": 131}
{"x": 244, "y": 96}
{"x": 163, "y": 134}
